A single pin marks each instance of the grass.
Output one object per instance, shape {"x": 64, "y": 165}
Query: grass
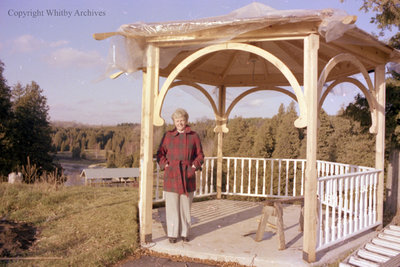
{"x": 84, "y": 226}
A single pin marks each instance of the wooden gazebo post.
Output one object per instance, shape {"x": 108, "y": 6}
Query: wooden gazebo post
{"x": 380, "y": 91}
{"x": 311, "y": 45}
{"x": 149, "y": 91}
{"x": 221, "y": 111}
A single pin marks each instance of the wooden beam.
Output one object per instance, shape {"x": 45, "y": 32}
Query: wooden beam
{"x": 198, "y": 63}
{"x": 276, "y": 31}
{"x": 289, "y": 59}
{"x": 221, "y": 110}
{"x": 371, "y": 55}
{"x": 150, "y": 87}
{"x": 380, "y": 94}
{"x": 311, "y": 45}
{"x": 229, "y": 65}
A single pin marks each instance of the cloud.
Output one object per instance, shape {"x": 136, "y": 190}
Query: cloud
{"x": 70, "y": 57}
{"x": 58, "y": 43}
{"x": 256, "y": 102}
{"x": 27, "y": 43}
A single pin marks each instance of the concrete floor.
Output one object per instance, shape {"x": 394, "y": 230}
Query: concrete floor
{"x": 224, "y": 230}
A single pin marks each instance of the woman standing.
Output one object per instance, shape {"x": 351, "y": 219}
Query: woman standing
{"x": 180, "y": 154}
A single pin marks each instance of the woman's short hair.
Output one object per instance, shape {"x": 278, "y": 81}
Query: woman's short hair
{"x": 180, "y": 112}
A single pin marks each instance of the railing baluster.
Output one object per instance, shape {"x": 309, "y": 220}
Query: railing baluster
{"x": 272, "y": 177}
{"x": 201, "y": 182}
{"x": 157, "y": 180}
{"x": 241, "y": 181}
{"x": 352, "y": 200}
{"x": 334, "y": 205}
{"x": 264, "y": 172}
{"x": 227, "y": 175}
{"x": 356, "y": 202}
{"x": 249, "y": 179}
{"x": 365, "y": 189}
{"x": 370, "y": 199}
{"x": 340, "y": 225}
{"x": 257, "y": 161}
{"x": 212, "y": 177}
{"x": 375, "y": 196}
{"x": 287, "y": 178}
{"x": 279, "y": 176}
{"x": 346, "y": 206}
{"x": 206, "y": 186}
{"x": 294, "y": 177}
{"x": 302, "y": 177}
{"x": 321, "y": 199}
{"x": 234, "y": 177}
{"x": 327, "y": 204}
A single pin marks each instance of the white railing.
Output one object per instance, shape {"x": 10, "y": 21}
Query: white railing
{"x": 254, "y": 177}
{"x": 260, "y": 177}
{"x": 347, "y": 206}
{"x": 347, "y": 194}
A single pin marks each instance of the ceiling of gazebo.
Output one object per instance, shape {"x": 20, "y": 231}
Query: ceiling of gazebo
{"x": 240, "y": 68}
{"x": 280, "y": 33}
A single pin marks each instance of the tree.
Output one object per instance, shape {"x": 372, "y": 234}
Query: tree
{"x": 288, "y": 137}
{"x": 238, "y": 129}
{"x": 387, "y": 15}
{"x": 31, "y": 127}
{"x": 264, "y": 141}
{"x": 6, "y": 155}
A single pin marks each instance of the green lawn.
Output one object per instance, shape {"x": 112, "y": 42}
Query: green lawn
{"x": 83, "y": 226}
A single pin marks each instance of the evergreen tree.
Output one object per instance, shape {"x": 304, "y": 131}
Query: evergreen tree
{"x": 287, "y": 135}
{"x": 31, "y": 128}
{"x": 6, "y": 155}
{"x": 326, "y": 142}
{"x": 238, "y": 129}
{"x": 264, "y": 141}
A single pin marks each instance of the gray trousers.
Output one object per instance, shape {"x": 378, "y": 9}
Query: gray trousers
{"x": 177, "y": 209}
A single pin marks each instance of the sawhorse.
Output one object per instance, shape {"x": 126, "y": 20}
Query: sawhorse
{"x": 274, "y": 206}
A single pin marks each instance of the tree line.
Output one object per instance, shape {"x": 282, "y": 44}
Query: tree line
{"x": 341, "y": 138}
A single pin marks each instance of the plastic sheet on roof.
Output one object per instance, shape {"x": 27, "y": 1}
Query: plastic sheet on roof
{"x": 128, "y": 48}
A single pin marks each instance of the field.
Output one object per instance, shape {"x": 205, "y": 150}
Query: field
{"x": 67, "y": 226}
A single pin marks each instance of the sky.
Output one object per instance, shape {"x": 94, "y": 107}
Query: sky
{"x": 50, "y": 42}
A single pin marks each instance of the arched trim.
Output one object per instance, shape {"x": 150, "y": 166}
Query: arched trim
{"x": 335, "y": 61}
{"x": 367, "y": 92}
{"x": 300, "y": 122}
{"x": 201, "y": 89}
{"x": 256, "y": 89}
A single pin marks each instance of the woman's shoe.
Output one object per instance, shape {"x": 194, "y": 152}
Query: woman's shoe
{"x": 172, "y": 240}
{"x": 185, "y": 239}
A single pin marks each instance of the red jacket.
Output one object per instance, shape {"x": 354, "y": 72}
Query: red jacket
{"x": 180, "y": 152}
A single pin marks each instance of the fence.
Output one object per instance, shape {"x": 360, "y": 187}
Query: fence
{"x": 347, "y": 194}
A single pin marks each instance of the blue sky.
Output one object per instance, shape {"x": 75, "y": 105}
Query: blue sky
{"x": 58, "y": 52}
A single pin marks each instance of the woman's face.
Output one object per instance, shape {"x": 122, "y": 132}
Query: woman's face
{"x": 180, "y": 123}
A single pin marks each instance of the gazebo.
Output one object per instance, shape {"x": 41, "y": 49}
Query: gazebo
{"x": 301, "y": 53}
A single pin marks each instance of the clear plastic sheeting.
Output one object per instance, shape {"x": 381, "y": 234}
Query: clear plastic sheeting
{"x": 128, "y": 46}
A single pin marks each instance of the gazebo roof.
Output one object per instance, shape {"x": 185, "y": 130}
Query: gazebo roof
{"x": 279, "y": 32}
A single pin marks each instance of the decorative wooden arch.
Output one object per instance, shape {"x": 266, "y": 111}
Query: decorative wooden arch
{"x": 344, "y": 57}
{"x": 257, "y": 89}
{"x": 300, "y": 122}
{"x": 370, "y": 99}
{"x": 225, "y": 114}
